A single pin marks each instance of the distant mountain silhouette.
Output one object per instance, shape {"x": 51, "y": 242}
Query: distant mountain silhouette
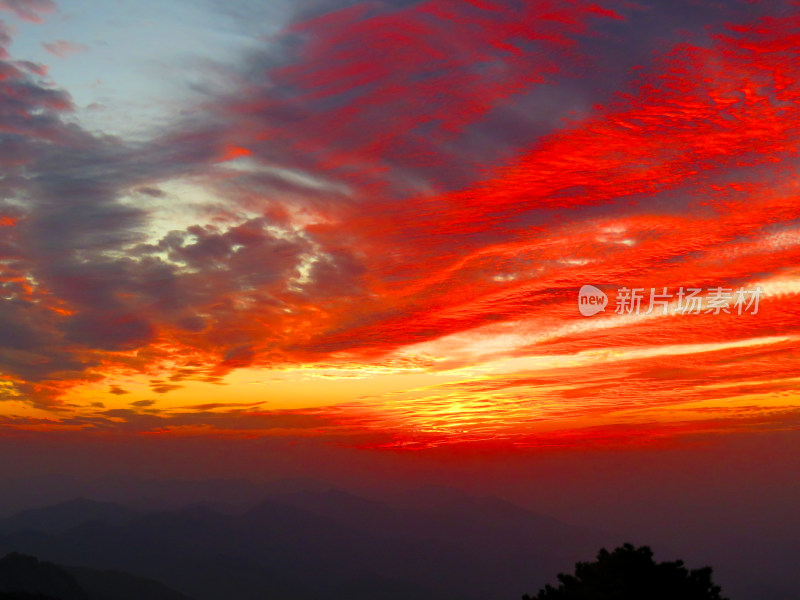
{"x": 66, "y": 515}
{"x": 20, "y": 494}
{"x": 521, "y": 542}
{"x": 307, "y": 544}
{"x": 434, "y": 543}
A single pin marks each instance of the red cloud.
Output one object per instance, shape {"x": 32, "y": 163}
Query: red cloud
{"x": 30, "y": 10}
{"x": 373, "y": 85}
{"x": 234, "y": 152}
{"x": 63, "y": 48}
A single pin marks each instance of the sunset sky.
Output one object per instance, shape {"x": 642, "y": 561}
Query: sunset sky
{"x": 367, "y": 223}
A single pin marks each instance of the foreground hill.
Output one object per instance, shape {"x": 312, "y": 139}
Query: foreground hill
{"x": 25, "y": 577}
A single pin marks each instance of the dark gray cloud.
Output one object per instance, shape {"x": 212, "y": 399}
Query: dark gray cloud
{"x": 78, "y": 278}
{"x": 143, "y": 403}
{"x": 142, "y": 419}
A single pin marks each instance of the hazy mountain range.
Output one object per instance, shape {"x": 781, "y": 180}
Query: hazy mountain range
{"x": 298, "y": 544}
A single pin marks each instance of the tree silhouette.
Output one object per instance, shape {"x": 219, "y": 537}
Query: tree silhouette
{"x": 630, "y": 573}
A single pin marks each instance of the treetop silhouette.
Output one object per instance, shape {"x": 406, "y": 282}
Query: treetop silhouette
{"x": 630, "y": 573}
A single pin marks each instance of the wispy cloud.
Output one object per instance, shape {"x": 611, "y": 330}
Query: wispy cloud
{"x": 63, "y": 48}
{"x": 29, "y": 10}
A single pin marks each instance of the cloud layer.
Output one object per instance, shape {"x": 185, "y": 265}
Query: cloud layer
{"x": 419, "y": 190}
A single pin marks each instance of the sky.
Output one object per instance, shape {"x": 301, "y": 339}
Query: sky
{"x": 368, "y": 226}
